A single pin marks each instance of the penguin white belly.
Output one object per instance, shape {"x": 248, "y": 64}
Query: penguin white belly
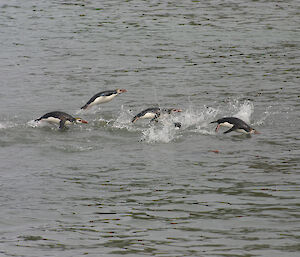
{"x": 52, "y": 120}
{"x": 148, "y": 115}
{"x": 55, "y": 120}
{"x": 103, "y": 99}
{"x": 226, "y": 124}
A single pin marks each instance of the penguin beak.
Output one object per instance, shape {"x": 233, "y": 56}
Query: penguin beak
{"x": 256, "y": 132}
{"x": 84, "y": 121}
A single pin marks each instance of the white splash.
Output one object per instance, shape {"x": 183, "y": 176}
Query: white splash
{"x": 7, "y": 124}
{"x": 163, "y": 132}
{"x": 37, "y": 124}
{"x": 34, "y": 124}
{"x": 265, "y": 116}
{"x": 4, "y": 125}
{"x": 124, "y": 121}
{"x": 41, "y": 124}
{"x": 198, "y": 119}
{"x": 245, "y": 111}
{"x": 191, "y": 120}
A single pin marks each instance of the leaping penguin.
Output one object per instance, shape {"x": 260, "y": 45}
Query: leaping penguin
{"x": 235, "y": 124}
{"x": 103, "y": 97}
{"x": 150, "y": 113}
{"x": 60, "y": 118}
{"x": 153, "y": 113}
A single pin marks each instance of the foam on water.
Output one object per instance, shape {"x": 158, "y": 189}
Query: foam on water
{"x": 7, "y": 124}
{"x": 40, "y": 124}
{"x": 3, "y": 125}
{"x": 73, "y": 148}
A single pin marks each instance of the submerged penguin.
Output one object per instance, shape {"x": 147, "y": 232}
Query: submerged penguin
{"x": 60, "y": 118}
{"x": 235, "y": 124}
{"x": 153, "y": 113}
{"x": 103, "y": 97}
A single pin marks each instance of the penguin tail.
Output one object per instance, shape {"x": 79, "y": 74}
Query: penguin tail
{"x": 214, "y": 121}
{"x": 84, "y": 107}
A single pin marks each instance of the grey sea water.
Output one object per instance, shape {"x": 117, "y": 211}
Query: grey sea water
{"x": 113, "y": 188}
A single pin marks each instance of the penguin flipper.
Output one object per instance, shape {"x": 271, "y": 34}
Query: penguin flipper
{"x": 62, "y": 124}
{"x": 230, "y": 130}
{"x": 155, "y": 117}
{"x": 135, "y": 118}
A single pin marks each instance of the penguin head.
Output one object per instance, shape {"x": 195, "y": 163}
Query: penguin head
{"x": 253, "y": 131}
{"x": 170, "y": 110}
{"x": 120, "y": 91}
{"x": 79, "y": 120}
{"x": 174, "y": 110}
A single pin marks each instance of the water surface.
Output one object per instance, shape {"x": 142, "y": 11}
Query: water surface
{"x": 113, "y": 188}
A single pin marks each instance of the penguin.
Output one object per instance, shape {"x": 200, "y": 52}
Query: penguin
{"x": 60, "y": 118}
{"x": 235, "y": 124}
{"x": 149, "y": 113}
{"x": 177, "y": 125}
{"x": 103, "y": 97}
{"x": 153, "y": 113}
